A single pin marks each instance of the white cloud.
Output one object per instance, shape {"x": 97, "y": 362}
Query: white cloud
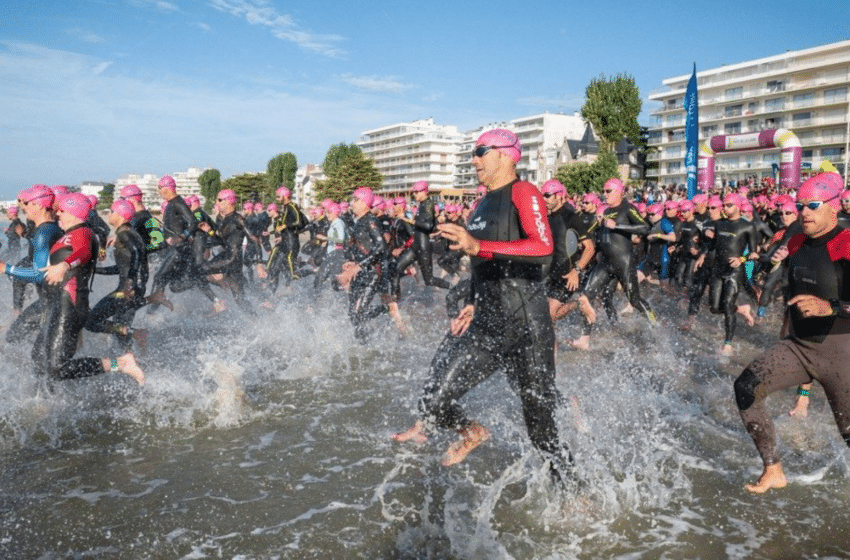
{"x": 160, "y": 5}
{"x": 84, "y": 35}
{"x": 373, "y": 83}
{"x": 72, "y": 120}
{"x": 259, "y": 12}
{"x": 202, "y": 25}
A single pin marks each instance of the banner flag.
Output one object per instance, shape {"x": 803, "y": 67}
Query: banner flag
{"x": 691, "y": 133}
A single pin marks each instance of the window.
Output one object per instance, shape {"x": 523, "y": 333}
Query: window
{"x": 674, "y": 167}
{"x": 774, "y": 86}
{"x": 732, "y": 128}
{"x": 775, "y": 122}
{"x": 734, "y": 93}
{"x": 734, "y": 110}
{"x": 674, "y": 151}
{"x": 807, "y": 154}
{"x": 801, "y": 119}
{"x": 709, "y": 131}
{"x": 752, "y": 107}
{"x": 831, "y": 152}
{"x": 835, "y": 95}
{"x": 675, "y": 119}
{"x": 803, "y": 97}
{"x": 775, "y": 104}
{"x": 673, "y": 104}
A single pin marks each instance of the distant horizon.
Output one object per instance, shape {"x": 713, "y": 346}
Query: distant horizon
{"x": 95, "y": 91}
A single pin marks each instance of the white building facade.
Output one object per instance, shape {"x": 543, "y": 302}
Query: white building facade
{"x": 804, "y": 91}
{"x": 187, "y": 184}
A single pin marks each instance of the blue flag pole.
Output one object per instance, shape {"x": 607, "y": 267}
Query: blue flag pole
{"x": 691, "y": 106}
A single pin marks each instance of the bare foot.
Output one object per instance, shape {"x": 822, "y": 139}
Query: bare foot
{"x": 399, "y": 322}
{"x": 218, "y": 306}
{"x": 727, "y": 349}
{"x": 801, "y": 409}
{"x": 747, "y": 313}
{"x": 159, "y": 298}
{"x": 128, "y": 366}
{"x": 473, "y": 436}
{"x": 586, "y": 309}
{"x": 627, "y": 309}
{"x": 267, "y": 305}
{"x": 581, "y": 343}
{"x": 772, "y": 477}
{"x": 416, "y": 433}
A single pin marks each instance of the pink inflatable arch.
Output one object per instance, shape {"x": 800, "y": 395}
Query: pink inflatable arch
{"x": 790, "y": 156}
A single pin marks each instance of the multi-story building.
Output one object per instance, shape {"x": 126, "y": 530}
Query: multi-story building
{"x": 405, "y": 153}
{"x": 805, "y": 91}
{"x": 187, "y": 184}
{"x": 305, "y": 183}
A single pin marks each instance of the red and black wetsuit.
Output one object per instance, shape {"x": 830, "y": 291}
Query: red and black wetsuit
{"x": 66, "y": 309}
{"x": 511, "y": 328}
{"x": 812, "y": 348}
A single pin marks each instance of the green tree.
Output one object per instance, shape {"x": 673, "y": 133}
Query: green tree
{"x": 580, "y": 178}
{"x": 612, "y": 107}
{"x": 210, "y": 182}
{"x": 337, "y": 155}
{"x": 248, "y": 186}
{"x": 350, "y": 173}
{"x": 107, "y": 196}
{"x": 281, "y": 170}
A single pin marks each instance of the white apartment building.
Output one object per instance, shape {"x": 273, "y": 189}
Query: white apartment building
{"x": 538, "y": 135}
{"x": 405, "y": 153}
{"x": 805, "y": 91}
{"x": 305, "y": 183}
{"x": 187, "y": 184}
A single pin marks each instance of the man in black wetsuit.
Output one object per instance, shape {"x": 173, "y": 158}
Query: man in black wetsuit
{"x": 179, "y": 266}
{"x": 423, "y": 223}
{"x": 734, "y": 236}
{"x": 505, "y": 323}
{"x": 283, "y": 258}
{"x": 226, "y": 267}
{"x": 131, "y": 262}
{"x": 815, "y": 343}
{"x": 615, "y": 259}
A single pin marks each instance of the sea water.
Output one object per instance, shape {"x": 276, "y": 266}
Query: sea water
{"x": 270, "y": 437}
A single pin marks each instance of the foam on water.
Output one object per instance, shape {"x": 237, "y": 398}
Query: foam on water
{"x": 270, "y": 437}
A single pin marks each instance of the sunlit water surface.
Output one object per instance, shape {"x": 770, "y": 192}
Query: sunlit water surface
{"x": 270, "y": 438}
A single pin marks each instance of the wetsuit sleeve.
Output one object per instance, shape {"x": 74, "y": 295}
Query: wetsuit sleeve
{"x": 230, "y": 236}
{"x": 378, "y": 246}
{"x": 635, "y": 224}
{"x": 82, "y": 243}
{"x": 41, "y": 243}
{"x": 425, "y": 220}
{"x": 531, "y": 209}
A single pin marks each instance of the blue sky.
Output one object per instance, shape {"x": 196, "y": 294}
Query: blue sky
{"x": 98, "y": 89}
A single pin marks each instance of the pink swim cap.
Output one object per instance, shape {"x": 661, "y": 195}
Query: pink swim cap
{"x": 130, "y": 191}
{"x": 671, "y": 205}
{"x": 481, "y": 190}
{"x": 789, "y": 207}
{"x": 12, "y": 210}
{"x": 593, "y": 198}
{"x": 92, "y": 200}
{"x": 601, "y": 210}
{"x": 283, "y": 192}
{"x": 344, "y": 206}
{"x": 228, "y": 195}
{"x": 614, "y": 184}
{"x": 59, "y": 189}
{"x": 168, "y": 182}
{"x": 377, "y": 202}
{"x": 686, "y": 206}
{"x": 700, "y": 199}
{"x": 247, "y": 206}
{"x": 365, "y": 194}
{"x": 746, "y": 207}
{"x": 38, "y": 194}
{"x": 75, "y": 204}
{"x": 124, "y": 209}
{"x": 735, "y": 199}
{"x": 502, "y": 140}
{"x": 715, "y": 201}
{"x": 655, "y": 208}
{"x": 823, "y": 186}
{"x": 419, "y": 186}
{"x": 270, "y": 208}
{"x": 399, "y": 201}
{"x": 845, "y": 196}
{"x": 192, "y": 199}
{"x": 641, "y": 206}
{"x": 553, "y": 186}
{"x": 332, "y": 208}
{"x": 326, "y": 202}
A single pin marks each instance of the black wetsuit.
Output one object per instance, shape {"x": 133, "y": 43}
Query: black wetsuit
{"x": 368, "y": 249}
{"x": 615, "y": 260}
{"x": 13, "y": 239}
{"x": 421, "y": 252}
{"x": 131, "y": 263}
{"x": 844, "y": 220}
{"x": 688, "y": 240}
{"x": 732, "y": 238}
{"x": 401, "y": 237}
{"x": 812, "y": 348}
{"x": 511, "y": 329}
{"x": 560, "y": 221}
{"x": 229, "y": 234}
{"x": 99, "y": 227}
{"x": 19, "y": 287}
{"x": 283, "y": 257}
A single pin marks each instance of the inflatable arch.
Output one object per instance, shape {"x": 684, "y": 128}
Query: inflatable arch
{"x": 790, "y": 156}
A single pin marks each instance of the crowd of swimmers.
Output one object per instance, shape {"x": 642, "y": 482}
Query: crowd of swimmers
{"x": 512, "y": 262}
